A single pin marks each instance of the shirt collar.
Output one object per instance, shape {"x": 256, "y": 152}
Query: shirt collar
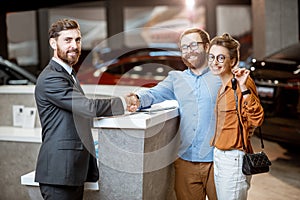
{"x": 204, "y": 71}
{"x": 64, "y": 65}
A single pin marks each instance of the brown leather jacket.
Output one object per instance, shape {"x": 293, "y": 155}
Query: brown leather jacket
{"x": 227, "y": 135}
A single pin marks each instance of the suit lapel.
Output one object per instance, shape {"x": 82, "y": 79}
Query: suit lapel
{"x": 76, "y": 82}
{"x": 60, "y": 69}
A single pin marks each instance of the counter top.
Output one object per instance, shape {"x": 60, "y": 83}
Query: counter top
{"x": 33, "y": 135}
{"x": 17, "y": 89}
{"x": 143, "y": 119}
{"x": 18, "y": 134}
{"x": 28, "y": 179}
{"x": 137, "y": 120}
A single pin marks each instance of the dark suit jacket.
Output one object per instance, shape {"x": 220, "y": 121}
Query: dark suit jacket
{"x": 67, "y": 153}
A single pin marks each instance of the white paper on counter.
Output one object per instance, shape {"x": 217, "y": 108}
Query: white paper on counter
{"x": 165, "y": 105}
{"x": 29, "y": 117}
{"x": 18, "y": 115}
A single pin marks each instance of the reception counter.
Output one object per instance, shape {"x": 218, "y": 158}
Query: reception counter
{"x": 135, "y": 152}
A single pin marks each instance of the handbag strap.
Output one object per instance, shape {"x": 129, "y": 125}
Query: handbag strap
{"x": 240, "y": 124}
{"x": 261, "y": 138}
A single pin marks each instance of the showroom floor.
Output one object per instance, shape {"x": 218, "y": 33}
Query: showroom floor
{"x": 283, "y": 180}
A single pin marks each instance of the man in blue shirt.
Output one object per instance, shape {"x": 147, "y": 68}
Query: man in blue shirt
{"x": 195, "y": 90}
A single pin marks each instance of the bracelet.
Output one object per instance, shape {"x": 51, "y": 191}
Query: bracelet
{"x": 246, "y": 92}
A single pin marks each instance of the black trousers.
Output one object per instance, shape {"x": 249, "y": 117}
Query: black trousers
{"x": 61, "y": 192}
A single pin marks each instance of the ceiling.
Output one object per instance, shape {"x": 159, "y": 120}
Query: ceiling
{"x": 21, "y": 5}
{"x": 18, "y": 5}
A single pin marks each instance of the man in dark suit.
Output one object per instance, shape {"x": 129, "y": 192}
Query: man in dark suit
{"x": 67, "y": 155}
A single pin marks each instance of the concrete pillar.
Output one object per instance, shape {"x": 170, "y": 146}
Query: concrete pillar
{"x": 275, "y": 25}
{"x": 3, "y": 36}
{"x": 45, "y": 52}
{"x": 115, "y": 23}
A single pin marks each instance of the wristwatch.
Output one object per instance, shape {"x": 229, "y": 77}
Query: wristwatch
{"x": 246, "y": 92}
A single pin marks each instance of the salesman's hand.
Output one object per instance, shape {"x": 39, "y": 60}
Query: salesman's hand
{"x": 133, "y": 103}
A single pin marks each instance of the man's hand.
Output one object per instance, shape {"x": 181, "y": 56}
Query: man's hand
{"x": 132, "y": 101}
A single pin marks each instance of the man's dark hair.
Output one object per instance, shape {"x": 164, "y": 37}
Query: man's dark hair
{"x": 60, "y": 25}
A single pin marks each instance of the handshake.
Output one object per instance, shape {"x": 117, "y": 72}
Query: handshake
{"x": 132, "y": 102}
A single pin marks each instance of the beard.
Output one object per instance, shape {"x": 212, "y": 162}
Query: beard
{"x": 70, "y": 60}
{"x": 198, "y": 63}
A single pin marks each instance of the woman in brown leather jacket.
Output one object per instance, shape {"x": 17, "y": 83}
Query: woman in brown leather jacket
{"x": 223, "y": 59}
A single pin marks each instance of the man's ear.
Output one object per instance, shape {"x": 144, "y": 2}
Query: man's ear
{"x": 52, "y": 43}
{"x": 206, "y": 47}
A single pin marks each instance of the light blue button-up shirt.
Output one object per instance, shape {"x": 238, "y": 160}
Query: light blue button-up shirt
{"x": 196, "y": 96}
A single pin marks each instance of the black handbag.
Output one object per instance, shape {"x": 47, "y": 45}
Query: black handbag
{"x": 253, "y": 163}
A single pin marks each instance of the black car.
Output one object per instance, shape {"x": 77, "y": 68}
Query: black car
{"x": 12, "y": 74}
{"x": 278, "y": 82}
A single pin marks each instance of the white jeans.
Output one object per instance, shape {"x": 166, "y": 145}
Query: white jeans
{"x": 231, "y": 183}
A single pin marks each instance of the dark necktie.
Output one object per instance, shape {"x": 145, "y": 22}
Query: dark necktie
{"x": 73, "y": 74}
{"x": 76, "y": 81}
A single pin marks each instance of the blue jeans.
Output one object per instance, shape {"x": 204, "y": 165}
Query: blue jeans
{"x": 231, "y": 183}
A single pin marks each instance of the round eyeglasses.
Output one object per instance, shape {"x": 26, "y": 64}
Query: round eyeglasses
{"x": 193, "y": 46}
{"x": 220, "y": 58}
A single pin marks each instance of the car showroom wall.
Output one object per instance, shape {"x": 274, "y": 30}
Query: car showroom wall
{"x": 114, "y": 22}
{"x": 271, "y": 25}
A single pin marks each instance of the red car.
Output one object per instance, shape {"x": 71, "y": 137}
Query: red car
{"x": 143, "y": 67}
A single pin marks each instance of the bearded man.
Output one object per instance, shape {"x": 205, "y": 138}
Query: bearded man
{"x": 67, "y": 155}
{"x": 195, "y": 90}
